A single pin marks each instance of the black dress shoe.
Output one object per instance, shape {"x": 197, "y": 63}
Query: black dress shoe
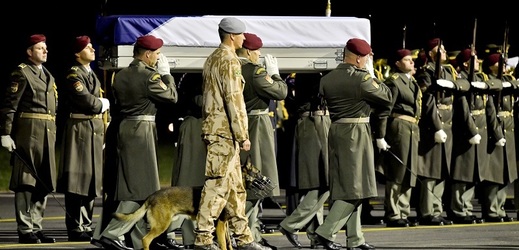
{"x": 265, "y": 243}
{"x": 292, "y": 238}
{"x": 79, "y": 236}
{"x": 434, "y": 221}
{"x": 113, "y": 244}
{"x": 316, "y": 244}
{"x": 28, "y": 238}
{"x": 328, "y": 244}
{"x": 464, "y": 220}
{"x": 362, "y": 246}
{"x": 44, "y": 238}
{"x": 493, "y": 219}
{"x": 190, "y": 246}
{"x": 397, "y": 223}
{"x": 168, "y": 244}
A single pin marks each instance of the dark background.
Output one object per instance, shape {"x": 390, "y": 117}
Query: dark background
{"x": 62, "y": 21}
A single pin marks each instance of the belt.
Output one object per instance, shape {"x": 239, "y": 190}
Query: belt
{"x": 259, "y": 112}
{"x": 353, "y": 120}
{"x": 150, "y": 118}
{"x": 38, "y": 116}
{"x": 87, "y": 117}
{"x": 504, "y": 113}
{"x": 444, "y": 106}
{"x": 477, "y": 112}
{"x": 315, "y": 113}
{"x": 405, "y": 117}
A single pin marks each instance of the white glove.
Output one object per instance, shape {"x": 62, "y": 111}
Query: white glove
{"x": 106, "y": 104}
{"x": 271, "y": 63}
{"x": 507, "y": 85}
{"x": 382, "y": 144}
{"x": 8, "y": 143}
{"x": 445, "y": 83}
{"x": 163, "y": 65}
{"x": 440, "y": 136}
{"x": 475, "y": 139}
{"x": 479, "y": 85}
{"x": 370, "y": 68}
{"x": 499, "y": 143}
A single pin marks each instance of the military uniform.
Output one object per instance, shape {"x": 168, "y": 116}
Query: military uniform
{"x": 502, "y": 168}
{"x": 435, "y": 158}
{"x": 350, "y": 94}
{"x": 311, "y": 158}
{"x": 402, "y": 133}
{"x": 28, "y": 114}
{"x": 136, "y": 90}
{"x": 224, "y": 128}
{"x": 258, "y": 91}
{"x": 81, "y": 164}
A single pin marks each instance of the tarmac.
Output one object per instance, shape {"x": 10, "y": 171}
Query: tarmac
{"x": 501, "y": 235}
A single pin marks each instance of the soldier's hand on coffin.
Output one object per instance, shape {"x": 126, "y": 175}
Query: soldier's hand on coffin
{"x": 507, "y": 85}
{"x": 163, "y": 65}
{"x": 8, "y": 143}
{"x": 271, "y": 64}
{"x": 245, "y": 145}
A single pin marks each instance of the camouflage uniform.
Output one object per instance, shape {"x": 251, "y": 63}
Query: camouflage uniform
{"x": 224, "y": 128}
{"x": 81, "y": 164}
{"x": 28, "y": 115}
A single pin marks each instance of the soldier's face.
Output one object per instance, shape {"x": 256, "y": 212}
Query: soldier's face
{"x": 238, "y": 40}
{"x": 38, "y": 53}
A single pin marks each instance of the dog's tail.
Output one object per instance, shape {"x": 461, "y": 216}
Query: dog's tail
{"x": 135, "y": 216}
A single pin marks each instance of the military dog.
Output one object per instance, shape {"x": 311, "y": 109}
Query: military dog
{"x": 161, "y": 208}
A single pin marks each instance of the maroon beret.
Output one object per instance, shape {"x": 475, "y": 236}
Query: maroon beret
{"x": 36, "y": 38}
{"x": 252, "y": 41}
{"x": 81, "y": 43}
{"x": 398, "y": 55}
{"x": 493, "y": 59}
{"x": 464, "y": 56}
{"x": 432, "y": 43}
{"x": 358, "y": 46}
{"x": 149, "y": 42}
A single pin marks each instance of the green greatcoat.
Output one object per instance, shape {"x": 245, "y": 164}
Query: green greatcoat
{"x": 350, "y": 92}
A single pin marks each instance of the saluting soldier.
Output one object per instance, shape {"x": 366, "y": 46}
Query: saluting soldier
{"x": 262, "y": 85}
{"x": 402, "y": 133}
{"x": 435, "y": 146}
{"x": 137, "y": 90}
{"x": 81, "y": 163}
{"x": 351, "y": 93}
{"x": 28, "y": 129}
{"x": 503, "y": 163}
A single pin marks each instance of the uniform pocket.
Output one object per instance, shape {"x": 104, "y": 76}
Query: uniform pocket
{"x": 219, "y": 156}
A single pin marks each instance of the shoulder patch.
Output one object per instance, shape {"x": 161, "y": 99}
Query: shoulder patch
{"x": 260, "y": 70}
{"x": 22, "y": 65}
{"x": 14, "y": 87}
{"x": 75, "y": 68}
{"x": 155, "y": 77}
{"x": 78, "y": 86}
{"x": 71, "y": 75}
{"x": 269, "y": 79}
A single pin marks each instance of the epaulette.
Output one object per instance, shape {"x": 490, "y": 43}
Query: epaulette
{"x": 260, "y": 70}
{"x": 22, "y": 65}
{"x": 395, "y": 76}
{"x": 366, "y": 77}
{"x": 75, "y": 68}
{"x": 429, "y": 67}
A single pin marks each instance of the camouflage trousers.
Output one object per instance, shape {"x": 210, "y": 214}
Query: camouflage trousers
{"x": 225, "y": 193}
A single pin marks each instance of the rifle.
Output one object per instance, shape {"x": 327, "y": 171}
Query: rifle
{"x": 471, "y": 76}
{"x": 501, "y": 64}
{"x": 404, "y": 36}
{"x": 438, "y": 63}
